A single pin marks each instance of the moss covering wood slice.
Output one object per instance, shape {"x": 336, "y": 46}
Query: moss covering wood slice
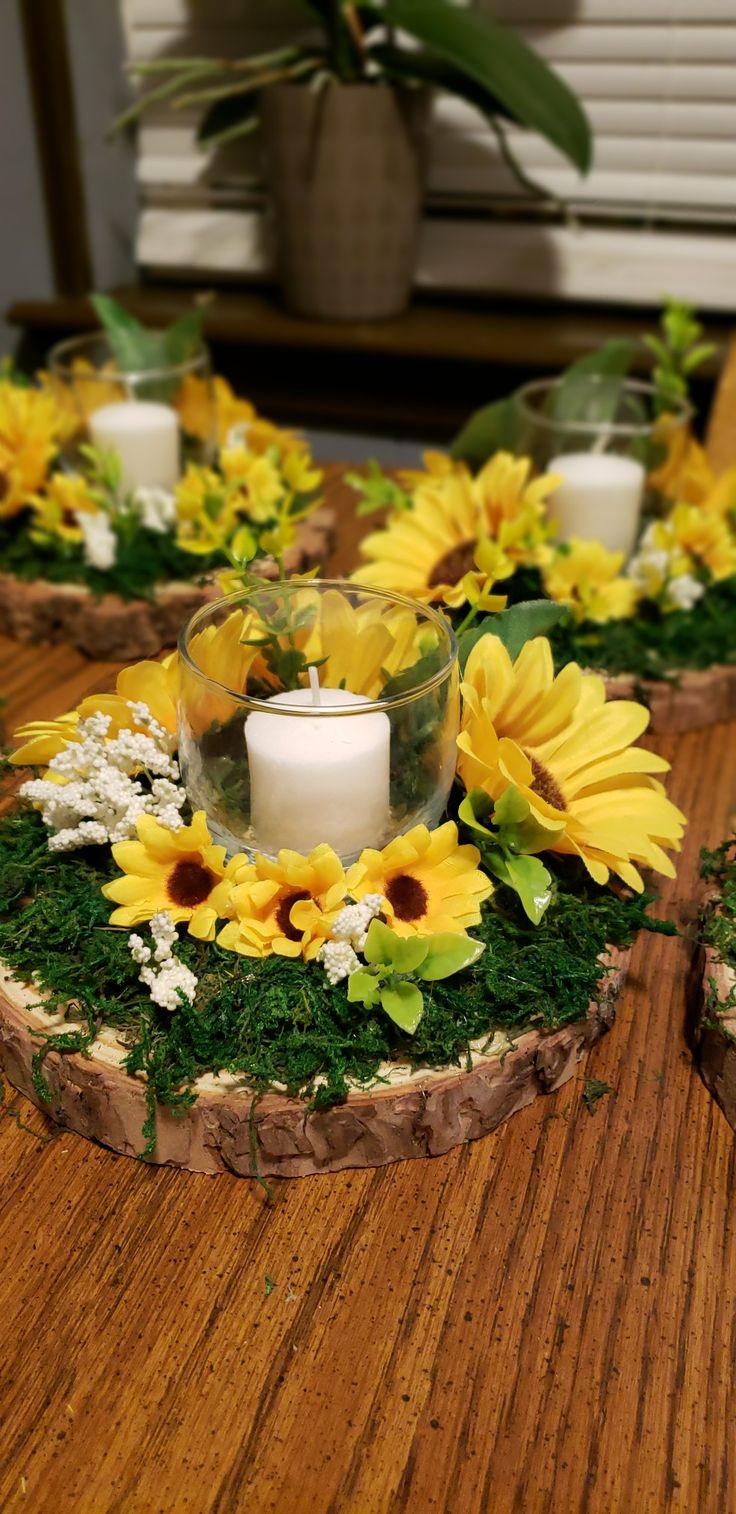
{"x": 110, "y": 627}
{"x": 715, "y": 971}
{"x": 412, "y": 1114}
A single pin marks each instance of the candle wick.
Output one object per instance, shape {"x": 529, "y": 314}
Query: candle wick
{"x": 314, "y": 686}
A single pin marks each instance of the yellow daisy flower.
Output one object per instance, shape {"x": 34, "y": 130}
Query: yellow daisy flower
{"x": 426, "y": 551}
{"x": 704, "y": 536}
{"x": 29, "y": 434}
{"x": 428, "y": 882}
{"x": 257, "y": 478}
{"x": 586, "y": 577}
{"x": 181, "y": 872}
{"x": 154, "y": 684}
{"x": 286, "y": 906}
{"x": 570, "y": 755}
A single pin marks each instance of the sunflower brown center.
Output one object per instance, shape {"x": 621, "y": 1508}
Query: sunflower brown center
{"x": 407, "y": 897}
{"x": 449, "y": 569}
{"x": 4, "y": 484}
{"x": 190, "y": 883}
{"x": 545, "y": 785}
{"x": 283, "y": 915}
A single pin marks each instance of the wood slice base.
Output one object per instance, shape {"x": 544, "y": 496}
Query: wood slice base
{"x": 698, "y": 699}
{"x": 113, "y": 629}
{"x": 420, "y": 1114}
{"x": 715, "y": 1031}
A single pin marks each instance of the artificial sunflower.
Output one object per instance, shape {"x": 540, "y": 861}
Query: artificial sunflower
{"x": 30, "y": 426}
{"x": 181, "y": 872}
{"x": 684, "y": 475}
{"x": 436, "y": 465}
{"x": 426, "y": 551}
{"x": 209, "y": 409}
{"x": 570, "y": 755}
{"x": 285, "y": 906}
{"x": 154, "y": 684}
{"x": 228, "y": 656}
{"x": 583, "y": 575}
{"x": 427, "y": 880}
{"x": 207, "y": 509}
{"x": 361, "y": 646}
{"x": 88, "y": 389}
{"x": 55, "y": 510}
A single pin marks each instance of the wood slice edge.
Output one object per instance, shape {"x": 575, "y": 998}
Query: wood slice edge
{"x": 113, "y": 629}
{"x": 715, "y": 1031}
{"x": 699, "y": 698}
{"x": 425, "y": 1115}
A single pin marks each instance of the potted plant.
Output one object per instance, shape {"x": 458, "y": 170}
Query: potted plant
{"x": 345, "y": 113}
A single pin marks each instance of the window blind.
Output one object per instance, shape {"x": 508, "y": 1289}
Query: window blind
{"x": 656, "y": 214}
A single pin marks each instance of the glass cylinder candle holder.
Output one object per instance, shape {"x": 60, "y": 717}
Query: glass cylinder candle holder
{"x": 155, "y": 419}
{"x": 317, "y": 711}
{"x": 602, "y": 435}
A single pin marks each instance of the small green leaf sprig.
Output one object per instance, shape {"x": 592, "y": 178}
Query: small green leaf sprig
{"x": 678, "y": 352}
{"x": 396, "y": 965}
{"x": 509, "y": 836}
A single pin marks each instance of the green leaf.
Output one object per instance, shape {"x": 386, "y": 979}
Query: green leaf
{"x": 513, "y": 626}
{"x": 363, "y": 988}
{"x": 384, "y": 947}
{"x": 502, "y": 63}
{"x": 474, "y": 809}
{"x": 184, "y": 338}
{"x": 497, "y": 427}
{"x": 404, "y": 1005}
{"x": 529, "y": 878}
{"x": 134, "y": 348}
{"x": 448, "y": 954}
{"x": 511, "y": 808}
{"x": 576, "y": 399}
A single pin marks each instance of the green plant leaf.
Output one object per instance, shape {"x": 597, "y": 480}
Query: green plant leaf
{"x": 134, "y": 348}
{"x": 184, "y": 338}
{"x": 511, "y": 808}
{"x": 363, "y": 988}
{"x": 529, "y": 878}
{"x": 474, "y": 809}
{"x": 385, "y": 948}
{"x": 404, "y": 1005}
{"x": 502, "y": 63}
{"x": 576, "y": 399}
{"x": 513, "y": 626}
{"x": 448, "y": 954}
{"x": 496, "y": 427}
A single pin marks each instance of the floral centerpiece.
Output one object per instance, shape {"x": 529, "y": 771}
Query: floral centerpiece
{"x": 455, "y": 537}
{"x": 86, "y": 557}
{"x": 715, "y": 1024}
{"x": 297, "y": 1013}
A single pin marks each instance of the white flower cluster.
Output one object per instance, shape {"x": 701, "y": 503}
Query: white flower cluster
{"x": 156, "y": 508}
{"x": 659, "y": 574}
{"x": 100, "y": 541}
{"x": 98, "y": 800}
{"x": 339, "y": 957}
{"x": 237, "y": 436}
{"x": 169, "y": 978}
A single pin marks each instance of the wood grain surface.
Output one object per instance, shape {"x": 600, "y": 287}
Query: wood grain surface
{"x": 541, "y": 1321}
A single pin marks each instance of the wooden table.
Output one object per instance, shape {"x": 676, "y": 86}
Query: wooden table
{"x": 541, "y": 1321}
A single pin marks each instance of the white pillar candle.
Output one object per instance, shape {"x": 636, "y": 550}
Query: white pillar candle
{"x": 318, "y": 777}
{"x": 599, "y": 498}
{"x": 145, "y": 435}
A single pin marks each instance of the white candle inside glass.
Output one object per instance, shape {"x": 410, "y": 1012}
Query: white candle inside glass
{"x": 316, "y": 778}
{"x": 599, "y": 499}
{"x": 145, "y": 436}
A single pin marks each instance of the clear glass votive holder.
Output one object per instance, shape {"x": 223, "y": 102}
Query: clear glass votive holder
{"x": 604, "y": 438}
{"x": 317, "y": 711}
{"x": 155, "y": 419}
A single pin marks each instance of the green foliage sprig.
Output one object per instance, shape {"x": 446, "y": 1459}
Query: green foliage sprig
{"x": 397, "y": 964}
{"x": 508, "y": 845}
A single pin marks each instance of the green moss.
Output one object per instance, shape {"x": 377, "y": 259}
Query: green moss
{"x": 651, "y": 645}
{"x": 144, "y": 559}
{"x": 719, "y": 925}
{"x": 275, "y": 1021}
